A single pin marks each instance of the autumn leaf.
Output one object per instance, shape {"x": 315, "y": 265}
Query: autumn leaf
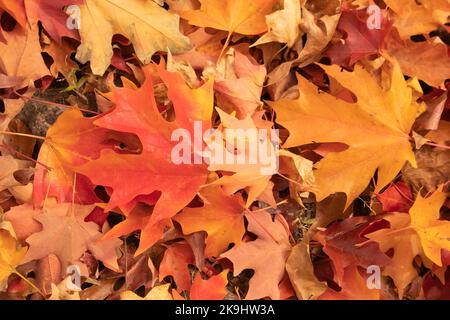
{"x": 175, "y": 262}
{"x": 138, "y": 148}
{"x": 254, "y": 175}
{"x": 396, "y": 198}
{"x": 16, "y": 9}
{"x": 380, "y": 116}
{"x": 222, "y": 217}
{"x": 151, "y": 171}
{"x": 359, "y": 41}
{"x": 231, "y": 15}
{"x": 52, "y": 16}
{"x": 421, "y": 232}
{"x": 149, "y": 27}
{"x": 156, "y": 293}
{"x": 20, "y": 57}
{"x": 62, "y": 151}
{"x": 301, "y": 273}
{"x": 11, "y": 254}
{"x": 66, "y": 234}
{"x": 273, "y": 240}
{"x": 234, "y": 72}
{"x": 416, "y": 18}
{"x": 426, "y": 60}
{"x": 343, "y": 243}
{"x": 210, "y": 289}
{"x": 283, "y": 25}
{"x": 354, "y": 287}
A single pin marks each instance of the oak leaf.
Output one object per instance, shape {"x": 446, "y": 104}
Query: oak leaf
{"x": 62, "y": 150}
{"x": 253, "y": 141}
{"x": 359, "y": 41}
{"x": 153, "y": 170}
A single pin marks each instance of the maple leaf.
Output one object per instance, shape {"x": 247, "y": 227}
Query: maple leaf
{"x": 231, "y": 15}
{"x": 156, "y": 293}
{"x": 176, "y": 262}
{"x": 354, "y": 287}
{"x": 11, "y": 254}
{"x": 148, "y": 26}
{"x": 418, "y": 17}
{"x": 138, "y": 219}
{"x": 210, "y": 289}
{"x": 63, "y": 149}
{"x": 283, "y": 25}
{"x": 253, "y": 174}
{"x": 66, "y": 234}
{"x": 234, "y": 72}
{"x": 428, "y": 60}
{"x": 341, "y": 243}
{"x": 153, "y": 169}
{"x": 359, "y": 40}
{"x": 206, "y": 49}
{"x": 21, "y": 218}
{"x": 377, "y": 123}
{"x": 52, "y": 16}
{"x": 396, "y": 198}
{"x": 319, "y": 31}
{"x": 222, "y": 217}
{"x": 20, "y": 56}
{"x": 16, "y": 9}
{"x": 418, "y": 233}
{"x": 62, "y": 63}
{"x": 11, "y": 109}
{"x": 10, "y": 168}
{"x": 266, "y": 255}
{"x": 301, "y": 273}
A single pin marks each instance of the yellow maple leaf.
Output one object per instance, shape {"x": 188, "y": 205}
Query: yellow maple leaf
{"x": 222, "y": 217}
{"x": 373, "y": 127}
{"x": 240, "y": 16}
{"x": 10, "y": 254}
{"x": 148, "y": 26}
{"x": 418, "y": 17}
{"x": 156, "y": 293}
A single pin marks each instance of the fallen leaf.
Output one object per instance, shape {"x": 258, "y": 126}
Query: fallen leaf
{"x": 273, "y": 240}
{"x": 148, "y": 26}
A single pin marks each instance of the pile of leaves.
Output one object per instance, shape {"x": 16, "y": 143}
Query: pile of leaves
{"x": 95, "y": 207}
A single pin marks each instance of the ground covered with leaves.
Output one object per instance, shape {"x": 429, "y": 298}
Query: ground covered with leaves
{"x": 107, "y": 190}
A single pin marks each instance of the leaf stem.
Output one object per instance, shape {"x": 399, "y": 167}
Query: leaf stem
{"x": 225, "y": 46}
{"x": 437, "y": 145}
{"x": 31, "y": 284}
{"x": 22, "y": 135}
